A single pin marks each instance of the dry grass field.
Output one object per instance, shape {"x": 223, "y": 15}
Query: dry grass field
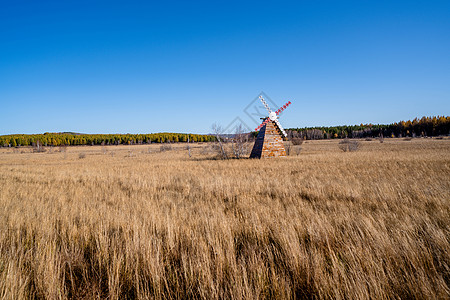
{"x": 134, "y": 222}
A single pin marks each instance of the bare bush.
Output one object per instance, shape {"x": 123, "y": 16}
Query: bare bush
{"x": 291, "y": 148}
{"x": 212, "y": 148}
{"x": 81, "y": 155}
{"x": 104, "y": 150}
{"x": 240, "y": 143}
{"x": 165, "y": 147}
{"x": 63, "y": 149}
{"x": 348, "y": 145}
{"x": 297, "y": 141}
{"x": 130, "y": 153}
{"x": 218, "y": 131}
{"x": 188, "y": 148}
{"x": 37, "y": 147}
{"x": 288, "y": 146}
{"x": 207, "y": 150}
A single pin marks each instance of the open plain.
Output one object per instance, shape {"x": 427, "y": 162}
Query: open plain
{"x": 136, "y": 222}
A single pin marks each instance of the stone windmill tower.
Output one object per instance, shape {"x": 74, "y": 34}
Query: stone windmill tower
{"x": 269, "y": 142}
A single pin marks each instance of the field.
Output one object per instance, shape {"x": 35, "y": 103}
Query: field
{"x": 135, "y": 222}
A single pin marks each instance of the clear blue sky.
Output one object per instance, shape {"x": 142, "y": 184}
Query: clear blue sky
{"x": 141, "y": 67}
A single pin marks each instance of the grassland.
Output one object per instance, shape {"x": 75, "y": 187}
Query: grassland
{"x": 134, "y": 222}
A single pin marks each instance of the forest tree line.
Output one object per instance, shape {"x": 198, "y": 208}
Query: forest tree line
{"x": 70, "y": 139}
{"x": 424, "y": 127}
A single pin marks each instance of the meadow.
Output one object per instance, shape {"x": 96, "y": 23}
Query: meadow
{"x": 123, "y": 222}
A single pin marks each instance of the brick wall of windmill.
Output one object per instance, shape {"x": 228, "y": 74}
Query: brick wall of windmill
{"x": 268, "y": 143}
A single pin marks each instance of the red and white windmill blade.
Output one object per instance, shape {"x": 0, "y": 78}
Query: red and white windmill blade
{"x": 273, "y": 116}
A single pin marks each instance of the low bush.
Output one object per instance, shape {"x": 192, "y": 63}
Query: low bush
{"x": 348, "y": 145}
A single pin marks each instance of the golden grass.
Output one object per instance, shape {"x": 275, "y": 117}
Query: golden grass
{"x": 132, "y": 224}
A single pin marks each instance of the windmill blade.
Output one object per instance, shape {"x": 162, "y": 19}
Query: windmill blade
{"x": 262, "y": 124}
{"x": 283, "y": 107}
{"x": 280, "y": 127}
{"x": 265, "y": 104}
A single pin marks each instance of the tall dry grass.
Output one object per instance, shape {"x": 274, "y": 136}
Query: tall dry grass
{"x": 134, "y": 223}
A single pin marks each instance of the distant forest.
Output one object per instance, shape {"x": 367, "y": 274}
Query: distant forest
{"x": 70, "y": 139}
{"x": 426, "y": 126}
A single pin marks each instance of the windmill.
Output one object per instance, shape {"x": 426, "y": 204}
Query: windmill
{"x": 269, "y": 142}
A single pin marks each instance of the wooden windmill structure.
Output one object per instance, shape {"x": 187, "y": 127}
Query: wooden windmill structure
{"x": 269, "y": 142}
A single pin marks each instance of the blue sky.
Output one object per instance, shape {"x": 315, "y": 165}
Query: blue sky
{"x": 141, "y": 67}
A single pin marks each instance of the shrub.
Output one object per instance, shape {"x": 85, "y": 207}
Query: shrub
{"x": 297, "y": 141}
{"x": 349, "y": 145}
{"x": 288, "y": 147}
{"x": 37, "y": 147}
{"x": 165, "y": 147}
